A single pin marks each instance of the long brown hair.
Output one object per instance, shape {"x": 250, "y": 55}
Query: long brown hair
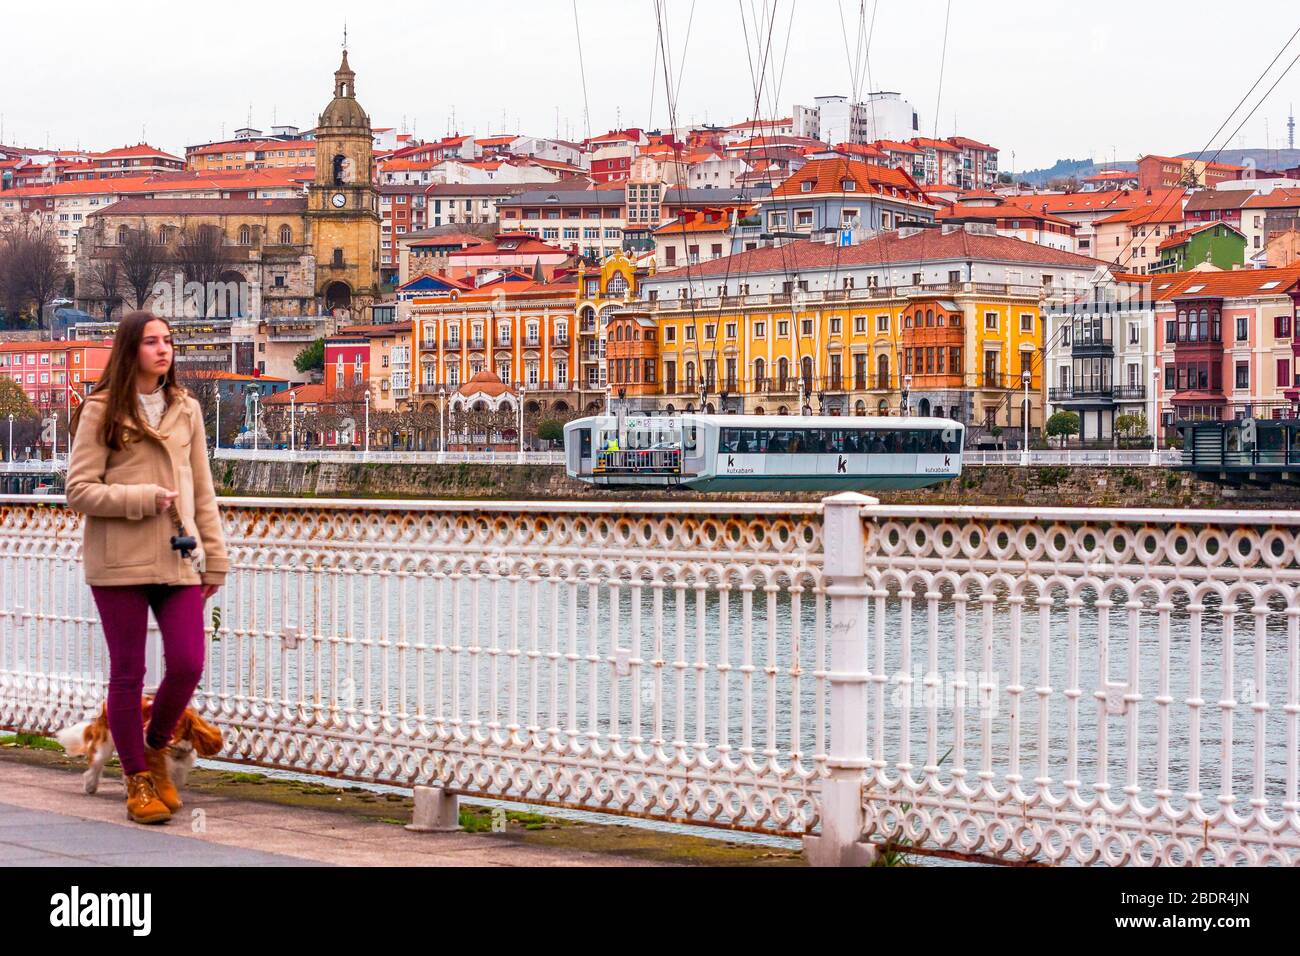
{"x": 118, "y": 381}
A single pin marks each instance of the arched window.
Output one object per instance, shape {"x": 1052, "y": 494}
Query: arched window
{"x": 690, "y": 376}
{"x": 929, "y": 318}
{"x": 782, "y": 373}
{"x": 164, "y": 235}
{"x": 882, "y": 372}
{"x": 532, "y": 332}
{"x": 286, "y": 235}
{"x": 617, "y": 285}
{"x": 760, "y": 373}
{"x": 245, "y": 235}
{"x": 122, "y": 234}
{"x": 860, "y": 407}
{"x": 561, "y": 331}
{"x": 807, "y": 364}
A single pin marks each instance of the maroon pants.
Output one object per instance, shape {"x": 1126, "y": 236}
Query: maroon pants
{"x": 124, "y": 612}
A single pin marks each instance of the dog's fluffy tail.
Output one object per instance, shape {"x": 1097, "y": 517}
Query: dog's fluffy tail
{"x": 73, "y": 738}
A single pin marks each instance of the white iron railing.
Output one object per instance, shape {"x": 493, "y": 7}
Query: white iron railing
{"x": 1077, "y": 457}
{"x": 393, "y": 457}
{"x": 1064, "y": 686}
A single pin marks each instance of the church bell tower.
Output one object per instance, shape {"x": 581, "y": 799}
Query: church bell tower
{"x": 342, "y": 201}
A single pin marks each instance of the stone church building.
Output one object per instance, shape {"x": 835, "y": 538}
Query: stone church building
{"x": 311, "y": 255}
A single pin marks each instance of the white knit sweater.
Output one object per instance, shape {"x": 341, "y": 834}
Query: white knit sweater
{"x": 153, "y": 405}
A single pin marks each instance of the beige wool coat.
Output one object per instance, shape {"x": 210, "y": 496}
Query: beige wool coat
{"x": 127, "y": 541}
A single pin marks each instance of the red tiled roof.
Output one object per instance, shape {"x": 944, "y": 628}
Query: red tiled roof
{"x": 399, "y": 165}
{"x": 1216, "y": 199}
{"x": 1233, "y": 283}
{"x": 962, "y": 210}
{"x": 312, "y": 394}
{"x": 1170, "y": 211}
{"x": 1111, "y": 200}
{"x": 486, "y": 383}
{"x": 159, "y": 207}
{"x": 235, "y": 179}
{"x": 141, "y": 149}
{"x": 937, "y": 144}
{"x": 968, "y": 143}
{"x": 1277, "y": 199}
{"x": 827, "y": 176}
{"x": 229, "y": 376}
{"x": 54, "y": 346}
{"x": 521, "y": 244}
{"x": 251, "y": 145}
{"x": 895, "y": 147}
{"x": 700, "y": 221}
{"x": 888, "y": 249}
{"x": 382, "y": 330}
{"x": 1178, "y": 238}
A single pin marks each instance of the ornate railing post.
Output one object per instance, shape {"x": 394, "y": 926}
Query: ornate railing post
{"x": 840, "y": 840}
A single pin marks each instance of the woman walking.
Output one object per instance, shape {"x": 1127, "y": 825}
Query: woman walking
{"x": 139, "y": 472}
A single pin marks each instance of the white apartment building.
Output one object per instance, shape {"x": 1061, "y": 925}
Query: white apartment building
{"x": 833, "y": 119}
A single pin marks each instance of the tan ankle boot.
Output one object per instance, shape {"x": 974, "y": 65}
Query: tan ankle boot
{"x": 142, "y": 803}
{"x": 162, "y": 781}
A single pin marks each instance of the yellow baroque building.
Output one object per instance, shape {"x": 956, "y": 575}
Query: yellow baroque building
{"x": 960, "y": 353}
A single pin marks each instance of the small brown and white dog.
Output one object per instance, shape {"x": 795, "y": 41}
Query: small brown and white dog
{"x": 193, "y": 736}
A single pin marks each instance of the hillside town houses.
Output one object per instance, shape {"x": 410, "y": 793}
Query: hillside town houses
{"x": 835, "y": 260}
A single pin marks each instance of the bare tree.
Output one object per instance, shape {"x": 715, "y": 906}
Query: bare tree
{"x": 12, "y": 296}
{"x": 142, "y": 264}
{"x": 32, "y": 269}
{"x": 201, "y": 255}
{"x": 104, "y": 282}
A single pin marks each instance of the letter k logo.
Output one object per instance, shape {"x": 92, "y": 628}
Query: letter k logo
{"x": 842, "y": 466}
{"x": 731, "y": 461}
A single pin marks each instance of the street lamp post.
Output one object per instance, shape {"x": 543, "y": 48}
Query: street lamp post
{"x": 1155, "y": 414}
{"x": 521, "y": 423}
{"x": 293, "y": 431}
{"x": 11, "y": 436}
{"x": 218, "y": 435}
{"x": 257, "y": 416}
{"x": 442, "y": 419}
{"x": 367, "y": 444}
{"x": 1024, "y": 414}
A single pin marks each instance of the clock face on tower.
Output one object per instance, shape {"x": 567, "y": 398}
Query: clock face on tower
{"x": 339, "y": 200}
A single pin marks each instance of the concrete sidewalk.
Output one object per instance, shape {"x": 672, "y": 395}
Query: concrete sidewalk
{"x": 46, "y": 820}
{"x": 237, "y": 816}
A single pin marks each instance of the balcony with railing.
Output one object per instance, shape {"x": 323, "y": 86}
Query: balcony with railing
{"x": 1091, "y": 335}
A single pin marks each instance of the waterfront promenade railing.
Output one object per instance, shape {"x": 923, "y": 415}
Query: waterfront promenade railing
{"x": 1067, "y": 686}
{"x": 378, "y": 456}
{"x": 1077, "y": 457}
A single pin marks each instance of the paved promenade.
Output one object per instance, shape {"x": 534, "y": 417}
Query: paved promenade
{"x": 236, "y": 818}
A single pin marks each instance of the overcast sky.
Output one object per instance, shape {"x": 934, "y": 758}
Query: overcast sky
{"x": 1043, "y": 78}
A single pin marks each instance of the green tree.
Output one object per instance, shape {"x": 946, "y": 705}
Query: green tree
{"x": 27, "y": 421}
{"x": 311, "y": 357}
{"x": 1062, "y": 425}
{"x": 1131, "y": 426}
{"x": 550, "y": 430}
{"x": 13, "y": 401}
